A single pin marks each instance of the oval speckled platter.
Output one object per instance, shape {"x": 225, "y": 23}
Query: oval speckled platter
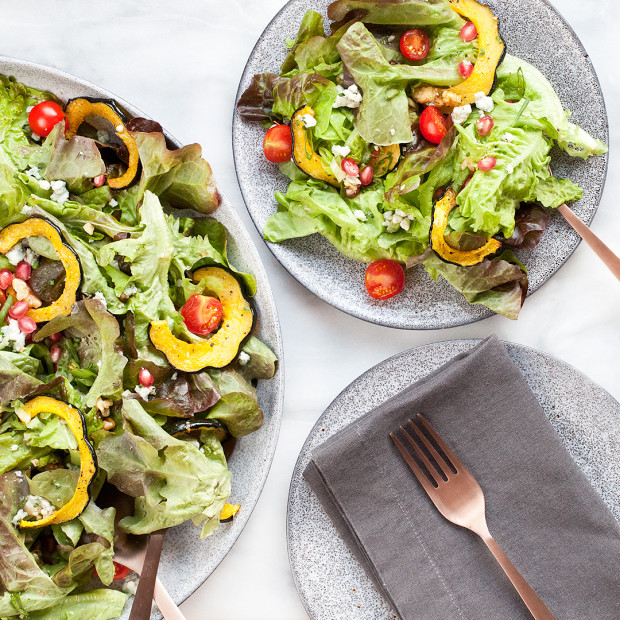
{"x": 330, "y": 581}
{"x": 186, "y": 560}
{"x": 425, "y": 304}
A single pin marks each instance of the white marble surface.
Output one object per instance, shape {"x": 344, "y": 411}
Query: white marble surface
{"x": 180, "y": 62}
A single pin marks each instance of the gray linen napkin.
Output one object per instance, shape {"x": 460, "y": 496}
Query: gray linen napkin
{"x": 541, "y": 509}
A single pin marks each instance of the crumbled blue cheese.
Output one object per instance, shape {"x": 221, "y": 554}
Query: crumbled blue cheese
{"x": 26, "y": 210}
{"x": 33, "y": 172}
{"x": 37, "y": 507}
{"x": 14, "y": 447}
{"x": 89, "y": 228}
{"x": 144, "y": 392}
{"x": 483, "y": 102}
{"x": 99, "y": 296}
{"x": 461, "y": 113}
{"x": 510, "y": 168}
{"x": 360, "y": 215}
{"x": 60, "y": 193}
{"x": 130, "y": 586}
{"x": 349, "y": 98}
{"x": 113, "y": 203}
{"x": 342, "y": 151}
{"x": 45, "y": 184}
{"x": 16, "y": 254}
{"x": 508, "y": 137}
{"x": 393, "y": 220}
{"x": 130, "y": 290}
{"x": 12, "y": 336}
{"x": 35, "y": 136}
{"x": 244, "y": 358}
{"x": 308, "y": 120}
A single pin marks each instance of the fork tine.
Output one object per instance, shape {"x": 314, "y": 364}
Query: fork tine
{"x": 429, "y": 466}
{"x": 442, "y": 444}
{"x": 441, "y": 462}
{"x": 417, "y": 472}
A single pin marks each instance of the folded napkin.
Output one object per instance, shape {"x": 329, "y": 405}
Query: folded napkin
{"x": 541, "y": 508}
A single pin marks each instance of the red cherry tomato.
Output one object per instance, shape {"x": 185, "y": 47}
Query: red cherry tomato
{"x": 120, "y": 571}
{"x": 414, "y": 44}
{"x": 484, "y": 125}
{"x": 350, "y": 168}
{"x": 469, "y": 32}
{"x": 278, "y": 144}
{"x": 433, "y": 124}
{"x": 465, "y": 68}
{"x": 44, "y": 116}
{"x": 202, "y": 314}
{"x": 487, "y": 163}
{"x": 384, "y": 279}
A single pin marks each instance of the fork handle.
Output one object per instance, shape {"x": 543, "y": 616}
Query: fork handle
{"x": 537, "y": 608}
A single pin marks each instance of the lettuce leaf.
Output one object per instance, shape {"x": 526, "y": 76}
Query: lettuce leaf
{"x": 394, "y": 12}
{"x": 172, "y": 480}
{"x": 97, "y": 331}
{"x": 94, "y": 605}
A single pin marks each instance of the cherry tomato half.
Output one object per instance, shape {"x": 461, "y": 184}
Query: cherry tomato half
{"x": 120, "y": 571}
{"x": 384, "y": 279}
{"x": 202, "y": 314}
{"x": 414, "y": 44}
{"x": 278, "y": 144}
{"x": 44, "y": 116}
{"x": 433, "y": 124}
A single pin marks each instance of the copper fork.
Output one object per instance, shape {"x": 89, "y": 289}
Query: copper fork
{"x": 459, "y": 498}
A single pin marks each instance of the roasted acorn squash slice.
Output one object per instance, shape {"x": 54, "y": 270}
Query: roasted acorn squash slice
{"x": 78, "y": 109}
{"x": 441, "y": 211}
{"x": 182, "y": 427}
{"x": 304, "y": 156}
{"x": 384, "y": 159}
{"x": 88, "y": 461}
{"x": 491, "y": 50}
{"x": 228, "y": 512}
{"x": 223, "y": 346}
{"x": 36, "y": 226}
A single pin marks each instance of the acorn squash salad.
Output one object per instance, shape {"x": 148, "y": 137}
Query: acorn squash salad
{"x": 127, "y": 355}
{"x": 411, "y": 137}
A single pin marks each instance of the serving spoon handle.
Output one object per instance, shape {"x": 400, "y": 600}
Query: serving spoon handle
{"x": 600, "y": 249}
{"x": 142, "y": 602}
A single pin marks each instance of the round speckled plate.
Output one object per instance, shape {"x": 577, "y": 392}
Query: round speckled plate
{"x": 330, "y": 581}
{"x": 425, "y": 304}
{"x": 186, "y": 560}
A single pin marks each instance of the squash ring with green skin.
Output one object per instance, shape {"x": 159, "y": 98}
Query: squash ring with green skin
{"x": 36, "y": 226}
{"x": 180, "y": 427}
{"x": 491, "y": 50}
{"x": 223, "y": 346}
{"x": 448, "y": 254}
{"x": 88, "y": 460}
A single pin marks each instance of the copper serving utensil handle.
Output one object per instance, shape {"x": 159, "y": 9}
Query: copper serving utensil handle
{"x": 143, "y": 600}
{"x": 600, "y": 249}
{"x": 459, "y": 498}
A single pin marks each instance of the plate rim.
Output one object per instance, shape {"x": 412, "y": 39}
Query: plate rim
{"x": 296, "y": 474}
{"x": 279, "y": 384}
{"x": 486, "y": 313}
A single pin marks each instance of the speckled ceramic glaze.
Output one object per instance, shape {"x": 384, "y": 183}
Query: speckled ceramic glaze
{"x": 186, "y": 560}
{"x": 330, "y": 581}
{"x": 425, "y": 304}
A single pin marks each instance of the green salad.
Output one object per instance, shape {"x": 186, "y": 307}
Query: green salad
{"x": 127, "y": 356}
{"x": 410, "y": 136}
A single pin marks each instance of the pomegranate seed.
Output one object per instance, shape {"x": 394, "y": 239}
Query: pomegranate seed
{"x": 487, "y": 163}
{"x": 469, "y": 32}
{"x": 23, "y": 271}
{"x": 26, "y": 324}
{"x": 55, "y": 338}
{"x": 6, "y": 279}
{"x": 55, "y": 353}
{"x": 18, "y": 309}
{"x": 146, "y": 378}
{"x": 465, "y": 68}
{"x": 484, "y": 125}
{"x": 99, "y": 180}
{"x": 366, "y": 174}
{"x": 349, "y": 166}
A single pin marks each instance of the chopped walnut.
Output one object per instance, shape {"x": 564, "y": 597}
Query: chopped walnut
{"x": 103, "y": 406}
{"x": 439, "y": 97}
